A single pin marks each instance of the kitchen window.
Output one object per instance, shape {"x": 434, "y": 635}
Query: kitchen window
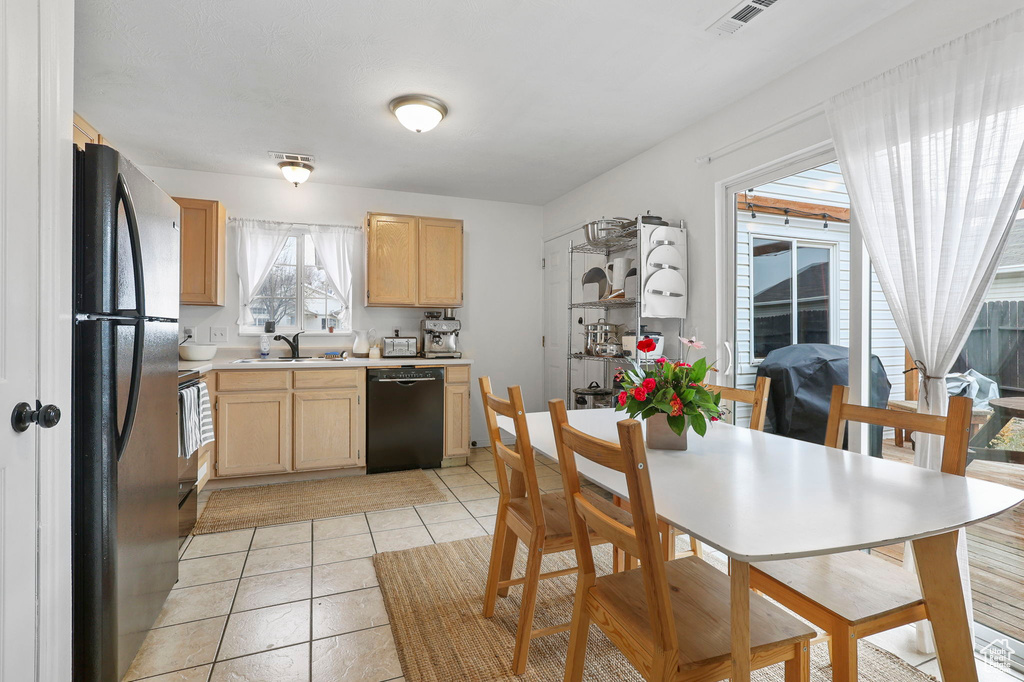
{"x": 793, "y": 293}
{"x": 297, "y": 293}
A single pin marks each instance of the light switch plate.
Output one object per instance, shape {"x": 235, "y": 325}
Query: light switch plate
{"x": 218, "y": 335}
{"x": 187, "y": 332}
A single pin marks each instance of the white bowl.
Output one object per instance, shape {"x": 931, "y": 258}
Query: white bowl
{"x": 197, "y": 351}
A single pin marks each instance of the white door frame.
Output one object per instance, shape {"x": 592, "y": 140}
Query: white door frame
{"x": 56, "y": 32}
{"x": 725, "y": 228}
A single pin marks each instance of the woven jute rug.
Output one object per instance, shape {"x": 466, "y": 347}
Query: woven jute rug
{"x": 268, "y": 505}
{"x": 434, "y": 597}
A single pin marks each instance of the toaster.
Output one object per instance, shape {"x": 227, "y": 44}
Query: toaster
{"x": 398, "y": 346}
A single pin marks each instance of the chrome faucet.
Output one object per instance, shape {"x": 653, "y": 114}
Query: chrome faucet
{"x": 293, "y": 343}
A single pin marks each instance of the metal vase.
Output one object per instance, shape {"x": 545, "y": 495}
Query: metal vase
{"x": 660, "y": 435}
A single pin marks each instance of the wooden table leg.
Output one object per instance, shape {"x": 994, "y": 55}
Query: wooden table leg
{"x": 740, "y": 620}
{"x": 939, "y": 575}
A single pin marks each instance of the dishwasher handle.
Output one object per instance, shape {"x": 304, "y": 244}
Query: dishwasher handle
{"x": 406, "y": 382}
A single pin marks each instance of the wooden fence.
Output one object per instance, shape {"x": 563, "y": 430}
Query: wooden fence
{"x": 996, "y": 346}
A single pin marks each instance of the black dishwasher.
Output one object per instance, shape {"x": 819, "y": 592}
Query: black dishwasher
{"x": 404, "y": 418}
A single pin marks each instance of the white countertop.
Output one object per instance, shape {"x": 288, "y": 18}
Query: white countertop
{"x": 228, "y": 362}
{"x": 761, "y": 497}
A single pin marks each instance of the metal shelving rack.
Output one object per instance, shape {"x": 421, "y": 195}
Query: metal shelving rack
{"x": 584, "y": 248}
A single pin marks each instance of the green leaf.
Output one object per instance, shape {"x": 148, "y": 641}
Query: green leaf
{"x": 700, "y": 426}
{"x": 663, "y": 406}
{"x": 677, "y": 424}
{"x": 688, "y": 395}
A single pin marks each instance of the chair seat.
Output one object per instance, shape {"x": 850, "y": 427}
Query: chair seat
{"x": 700, "y": 605}
{"x": 854, "y": 586}
{"x": 557, "y": 530}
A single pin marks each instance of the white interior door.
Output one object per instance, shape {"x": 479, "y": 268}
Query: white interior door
{"x": 19, "y": 214}
{"x": 556, "y": 299}
{"x": 36, "y": 63}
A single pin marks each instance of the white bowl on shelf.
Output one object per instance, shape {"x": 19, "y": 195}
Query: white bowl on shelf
{"x": 197, "y": 351}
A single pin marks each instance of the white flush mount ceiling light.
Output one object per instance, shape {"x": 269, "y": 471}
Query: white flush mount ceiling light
{"x": 418, "y": 113}
{"x": 295, "y": 172}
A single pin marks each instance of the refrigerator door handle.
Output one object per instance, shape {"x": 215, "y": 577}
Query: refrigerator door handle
{"x": 125, "y": 196}
{"x": 133, "y": 389}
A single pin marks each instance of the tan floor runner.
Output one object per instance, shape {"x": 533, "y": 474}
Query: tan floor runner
{"x": 268, "y": 505}
{"x": 434, "y": 597}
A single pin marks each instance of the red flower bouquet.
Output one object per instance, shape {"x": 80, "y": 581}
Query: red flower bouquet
{"x": 675, "y": 389}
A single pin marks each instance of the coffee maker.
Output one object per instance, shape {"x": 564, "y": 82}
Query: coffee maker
{"x": 441, "y": 334}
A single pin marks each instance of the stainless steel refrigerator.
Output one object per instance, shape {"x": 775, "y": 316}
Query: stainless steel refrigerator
{"x": 124, "y": 411}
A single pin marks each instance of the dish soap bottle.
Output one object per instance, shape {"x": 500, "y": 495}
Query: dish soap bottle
{"x": 268, "y": 329}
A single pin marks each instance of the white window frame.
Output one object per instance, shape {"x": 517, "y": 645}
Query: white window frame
{"x": 833, "y": 284}
{"x": 257, "y": 330}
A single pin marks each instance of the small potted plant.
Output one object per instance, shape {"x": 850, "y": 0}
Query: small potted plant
{"x": 671, "y": 397}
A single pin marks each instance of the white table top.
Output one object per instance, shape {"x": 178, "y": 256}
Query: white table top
{"x": 760, "y": 497}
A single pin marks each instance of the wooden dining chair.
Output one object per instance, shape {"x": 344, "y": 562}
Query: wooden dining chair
{"x": 541, "y": 521}
{"x": 854, "y": 594}
{"x": 671, "y": 619}
{"x": 758, "y": 398}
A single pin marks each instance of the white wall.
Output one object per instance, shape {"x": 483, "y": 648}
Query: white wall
{"x": 666, "y": 179}
{"x": 503, "y": 276}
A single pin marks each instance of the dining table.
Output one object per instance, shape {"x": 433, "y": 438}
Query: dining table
{"x": 758, "y": 497}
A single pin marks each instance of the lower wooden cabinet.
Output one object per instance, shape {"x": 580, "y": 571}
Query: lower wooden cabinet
{"x": 456, "y": 419}
{"x": 253, "y": 433}
{"x": 328, "y": 429}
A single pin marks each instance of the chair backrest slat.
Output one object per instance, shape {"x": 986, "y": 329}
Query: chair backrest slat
{"x": 757, "y": 399}
{"x": 509, "y": 456}
{"x": 611, "y": 529}
{"x": 523, "y": 481}
{"x": 955, "y": 426}
{"x": 642, "y": 540}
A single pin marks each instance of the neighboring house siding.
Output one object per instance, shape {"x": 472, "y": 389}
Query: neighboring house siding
{"x": 1007, "y": 286}
{"x": 885, "y": 339}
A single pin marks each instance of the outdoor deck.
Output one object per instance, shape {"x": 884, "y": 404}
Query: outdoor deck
{"x": 995, "y": 551}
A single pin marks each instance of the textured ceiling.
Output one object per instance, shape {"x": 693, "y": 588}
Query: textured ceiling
{"x": 543, "y": 94}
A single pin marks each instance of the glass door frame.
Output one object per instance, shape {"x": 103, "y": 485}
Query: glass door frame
{"x": 726, "y": 242}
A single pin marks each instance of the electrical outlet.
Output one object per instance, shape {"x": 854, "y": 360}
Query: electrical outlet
{"x": 186, "y": 332}
{"x": 218, "y": 335}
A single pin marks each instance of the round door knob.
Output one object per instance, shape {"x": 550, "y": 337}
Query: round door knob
{"x": 46, "y": 416}
{"x": 49, "y": 416}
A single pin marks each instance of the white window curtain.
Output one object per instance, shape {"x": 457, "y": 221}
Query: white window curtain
{"x": 933, "y": 156}
{"x": 337, "y": 246}
{"x": 259, "y": 244}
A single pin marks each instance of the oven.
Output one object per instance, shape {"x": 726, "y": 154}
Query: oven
{"x": 188, "y": 465}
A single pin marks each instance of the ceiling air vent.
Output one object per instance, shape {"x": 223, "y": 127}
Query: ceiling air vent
{"x": 289, "y": 156}
{"x": 739, "y": 16}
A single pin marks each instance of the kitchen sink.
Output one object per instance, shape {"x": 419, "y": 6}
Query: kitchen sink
{"x": 248, "y": 361}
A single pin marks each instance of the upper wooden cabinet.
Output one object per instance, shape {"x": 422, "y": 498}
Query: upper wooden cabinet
{"x": 391, "y": 257}
{"x": 82, "y": 132}
{"x": 440, "y": 262}
{"x": 413, "y": 261}
{"x": 202, "y": 251}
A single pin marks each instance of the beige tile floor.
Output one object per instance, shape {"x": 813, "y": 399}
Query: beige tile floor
{"x": 299, "y": 602}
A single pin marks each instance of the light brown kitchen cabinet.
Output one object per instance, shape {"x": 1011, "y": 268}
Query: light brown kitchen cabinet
{"x": 202, "y": 251}
{"x": 412, "y": 261}
{"x": 440, "y": 263}
{"x": 391, "y": 257}
{"x": 274, "y": 421}
{"x": 82, "y": 133}
{"x": 253, "y": 433}
{"x": 328, "y": 429}
{"x": 456, "y": 411}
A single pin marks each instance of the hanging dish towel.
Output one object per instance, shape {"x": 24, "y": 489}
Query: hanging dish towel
{"x": 196, "y": 419}
{"x": 205, "y": 415}
{"x": 191, "y": 431}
